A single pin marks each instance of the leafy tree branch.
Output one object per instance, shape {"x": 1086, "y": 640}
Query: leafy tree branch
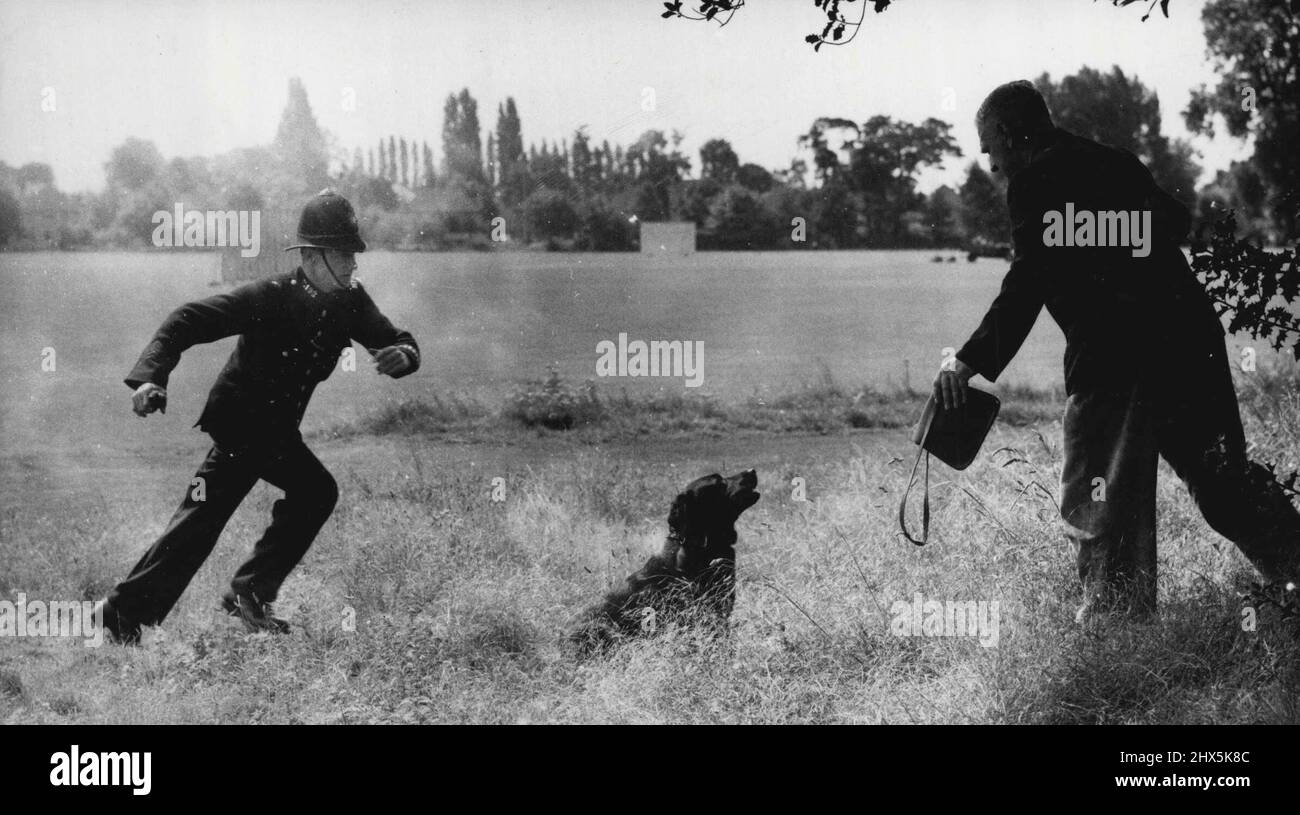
{"x": 840, "y": 17}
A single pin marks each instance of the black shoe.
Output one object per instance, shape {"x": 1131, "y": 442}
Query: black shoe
{"x": 117, "y": 629}
{"x": 255, "y": 615}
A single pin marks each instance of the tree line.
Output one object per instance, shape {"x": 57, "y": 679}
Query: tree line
{"x": 850, "y": 185}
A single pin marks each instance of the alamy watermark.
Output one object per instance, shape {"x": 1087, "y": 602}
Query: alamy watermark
{"x": 1085, "y": 228}
{"x": 946, "y": 618}
{"x": 75, "y": 768}
{"x": 674, "y": 358}
{"x": 211, "y": 228}
{"x": 56, "y": 618}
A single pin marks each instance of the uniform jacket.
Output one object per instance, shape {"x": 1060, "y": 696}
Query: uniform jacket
{"x": 290, "y": 339}
{"x": 1123, "y": 316}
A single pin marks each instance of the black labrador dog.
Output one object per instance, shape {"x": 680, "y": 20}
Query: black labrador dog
{"x": 693, "y": 578}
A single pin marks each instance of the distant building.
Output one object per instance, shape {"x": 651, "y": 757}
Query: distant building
{"x": 667, "y": 238}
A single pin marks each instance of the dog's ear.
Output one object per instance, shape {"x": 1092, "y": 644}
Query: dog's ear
{"x": 691, "y": 502}
{"x": 680, "y": 513}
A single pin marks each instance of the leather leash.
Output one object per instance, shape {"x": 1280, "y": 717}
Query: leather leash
{"x": 925, "y": 503}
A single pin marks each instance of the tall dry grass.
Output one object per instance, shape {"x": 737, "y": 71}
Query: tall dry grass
{"x": 423, "y": 600}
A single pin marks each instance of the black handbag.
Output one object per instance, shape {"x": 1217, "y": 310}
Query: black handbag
{"x": 954, "y": 437}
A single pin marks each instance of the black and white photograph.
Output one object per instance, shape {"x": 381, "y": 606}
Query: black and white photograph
{"x": 700, "y": 362}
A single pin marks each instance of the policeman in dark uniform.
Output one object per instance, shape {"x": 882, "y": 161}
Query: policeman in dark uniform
{"x": 1146, "y": 367}
{"x": 292, "y": 329}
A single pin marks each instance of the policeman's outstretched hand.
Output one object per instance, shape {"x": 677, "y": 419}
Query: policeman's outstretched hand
{"x": 950, "y": 383}
{"x": 148, "y": 398}
{"x": 392, "y": 361}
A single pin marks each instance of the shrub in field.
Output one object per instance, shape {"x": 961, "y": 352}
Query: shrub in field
{"x": 421, "y": 416}
{"x": 555, "y": 405}
{"x": 1256, "y": 288}
{"x": 11, "y": 686}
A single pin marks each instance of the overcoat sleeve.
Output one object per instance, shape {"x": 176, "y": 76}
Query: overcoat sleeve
{"x": 201, "y": 321}
{"x": 1010, "y": 318}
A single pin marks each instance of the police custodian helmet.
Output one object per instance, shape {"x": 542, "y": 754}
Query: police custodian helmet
{"x": 329, "y": 222}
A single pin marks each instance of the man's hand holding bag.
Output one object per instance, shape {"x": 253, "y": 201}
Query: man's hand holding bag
{"x": 953, "y": 425}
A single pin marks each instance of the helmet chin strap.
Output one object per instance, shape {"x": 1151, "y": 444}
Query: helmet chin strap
{"x": 330, "y": 269}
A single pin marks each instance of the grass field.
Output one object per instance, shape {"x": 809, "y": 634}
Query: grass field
{"x": 423, "y": 600}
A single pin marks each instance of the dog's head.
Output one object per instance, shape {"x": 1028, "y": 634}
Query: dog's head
{"x": 703, "y": 516}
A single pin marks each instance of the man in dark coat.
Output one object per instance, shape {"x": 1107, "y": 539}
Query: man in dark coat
{"x": 1146, "y": 367}
{"x": 292, "y": 329}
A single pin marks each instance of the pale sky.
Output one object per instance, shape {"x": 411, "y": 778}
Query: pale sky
{"x": 203, "y": 77}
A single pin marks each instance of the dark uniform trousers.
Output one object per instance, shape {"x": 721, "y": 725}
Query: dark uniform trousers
{"x": 227, "y": 475}
{"x": 1146, "y": 370}
{"x": 290, "y": 338}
